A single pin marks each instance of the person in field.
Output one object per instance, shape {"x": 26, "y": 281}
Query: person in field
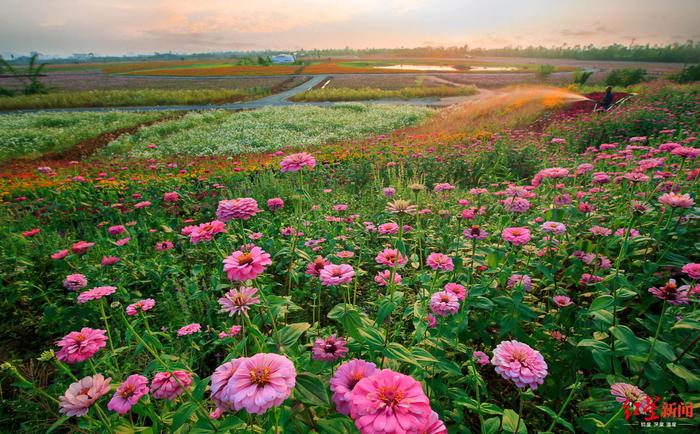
{"x": 607, "y": 100}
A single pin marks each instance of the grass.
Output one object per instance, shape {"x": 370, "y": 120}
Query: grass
{"x": 129, "y": 97}
{"x": 368, "y": 93}
{"x": 215, "y": 71}
{"x": 267, "y": 129}
{"x": 28, "y": 136}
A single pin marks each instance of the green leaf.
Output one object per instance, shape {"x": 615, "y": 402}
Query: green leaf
{"x": 689, "y": 377}
{"x": 491, "y": 426}
{"x": 422, "y": 355}
{"x": 556, "y": 418}
{"x": 603, "y": 302}
{"x": 510, "y": 422}
{"x": 336, "y": 425}
{"x": 396, "y": 351}
{"x": 288, "y": 335}
{"x": 183, "y": 415}
{"x": 372, "y": 336}
{"x": 310, "y": 389}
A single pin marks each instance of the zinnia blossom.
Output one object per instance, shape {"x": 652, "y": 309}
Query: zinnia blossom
{"x": 240, "y": 209}
{"x": 671, "y": 293}
{"x": 81, "y": 247}
{"x": 520, "y": 279}
{"x": 333, "y": 275}
{"x": 239, "y": 300}
{"x": 516, "y": 236}
{"x": 677, "y": 200}
{"x": 170, "y": 385}
{"x": 439, "y": 261}
{"x": 314, "y": 268}
{"x": 692, "y": 270}
{"x": 140, "y": 306}
{"x": 80, "y": 396}
{"x": 95, "y": 293}
{"x": 481, "y": 358}
{"x": 189, "y": 329}
{"x": 475, "y": 233}
{"x": 434, "y": 425}
{"x": 444, "y": 303}
{"x": 456, "y": 289}
{"x": 205, "y": 231}
{"x": 275, "y": 203}
{"x": 74, "y": 282}
{"x": 80, "y": 346}
{"x": 246, "y": 265}
{"x": 562, "y": 300}
{"x": 128, "y": 394}
{"x": 554, "y": 227}
{"x": 257, "y": 383}
{"x": 389, "y": 402}
{"x": 344, "y": 380}
{"x": 296, "y": 162}
{"x": 329, "y": 349}
{"x": 391, "y": 257}
{"x": 519, "y": 363}
{"x": 383, "y": 277}
{"x": 629, "y": 393}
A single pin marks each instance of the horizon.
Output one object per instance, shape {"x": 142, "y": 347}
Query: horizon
{"x": 56, "y": 28}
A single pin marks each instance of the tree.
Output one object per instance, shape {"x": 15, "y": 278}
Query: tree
{"x": 581, "y": 76}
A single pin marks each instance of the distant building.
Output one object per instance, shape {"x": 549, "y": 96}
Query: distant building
{"x": 282, "y": 58}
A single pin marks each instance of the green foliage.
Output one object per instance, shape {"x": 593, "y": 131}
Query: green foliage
{"x": 29, "y": 77}
{"x": 581, "y": 77}
{"x": 544, "y": 71}
{"x": 368, "y": 93}
{"x": 689, "y": 74}
{"x": 624, "y": 77}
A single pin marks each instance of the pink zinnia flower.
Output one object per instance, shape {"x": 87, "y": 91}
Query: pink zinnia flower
{"x": 388, "y": 229}
{"x": 222, "y": 385}
{"x": 444, "y": 303}
{"x": 80, "y": 346}
{"x": 95, "y": 293}
{"x": 60, "y": 254}
{"x": 140, "y": 306}
{"x": 295, "y": 162}
{"x": 391, "y": 257}
{"x": 275, "y": 204}
{"x": 520, "y": 279}
{"x": 434, "y": 425}
{"x": 624, "y": 392}
{"x": 260, "y": 382}
{"x": 74, "y": 282}
{"x": 171, "y": 197}
{"x": 81, "y": 247}
{"x": 189, "y": 329}
{"x": 239, "y": 300}
{"x": 122, "y": 241}
{"x": 677, "y": 200}
{"x": 519, "y": 363}
{"x": 128, "y": 394}
{"x": 164, "y": 245}
{"x": 31, "y": 233}
{"x": 554, "y": 227}
{"x": 80, "y": 396}
{"x": 671, "y": 293}
{"x": 439, "y": 261}
{"x": 475, "y": 233}
{"x": 383, "y": 277}
{"x": 116, "y": 230}
{"x": 232, "y": 331}
{"x": 205, "y": 231}
{"x": 109, "y": 260}
{"x": 692, "y": 270}
{"x": 170, "y": 385}
{"x": 345, "y": 379}
{"x": 686, "y": 152}
{"x": 456, "y": 289}
{"x": 445, "y": 186}
{"x": 516, "y": 236}
{"x": 389, "y": 402}
{"x": 246, "y": 265}
{"x": 329, "y": 349}
{"x": 333, "y": 275}
{"x": 314, "y": 268}
{"x": 562, "y": 300}
{"x": 481, "y": 358}
{"x": 240, "y": 209}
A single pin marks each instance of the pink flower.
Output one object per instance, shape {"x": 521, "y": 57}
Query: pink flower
{"x": 258, "y": 383}
{"x": 240, "y": 209}
{"x": 516, "y": 204}
{"x": 59, "y": 255}
{"x": 295, "y": 162}
{"x": 80, "y": 396}
{"x": 128, "y": 393}
{"x": 434, "y": 425}
{"x": 170, "y": 385}
{"x": 246, "y": 265}
{"x": 389, "y": 191}
{"x": 443, "y": 187}
{"x": 143, "y": 204}
{"x": 456, "y": 289}
{"x": 95, "y": 293}
{"x": 345, "y": 379}
{"x": 444, "y": 303}
{"x": 671, "y": 293}
{"x": 81, "y": 247}
{"x": 239, "y": 300}
{"x": 554, "y": 227}
{"x": 391, "y": 257}
{"x": 481, "y": 358}
{"x": 109, "y": 260}
{"x": 74, "y": 282}
{"x": 624, "y": 392}
{"x": 171, "y": 197}
{"x": 232, "y": 331}
{"x": 432, "y": 321}
{"x": 116, "y": 230}
{"x": 562, "y": 300}
{"x": 686, "y": 152}
{"x": 189, "y": 329}
{"x": 164, "y": 245}
{"x": 205, "y": 231}
{"x": 516, "y": 236}
{"x": 275, "y": 204}
{"x": 677, "y": 200}
{"x": 314, "y": 268}
{"x": 383, "y": 277}
{"x": 388, "y": 228}
{"x": 475, "y": 233}
{"x": 519, "y": 363}
{"x": 31, "y": 233}
{"x": 222, "y": 384}
{"x": 439, "y": 261}
{"x": 389, "y": 402}
{"x": 520, "y": 279}
{"x": 329, "y": 349}
{"x": 140, "y": 306}
{"x": 692, "y": 270}
{"x": 122, "y": 241}
{"x": 80, "y": 346}
{"x": 333, "y": 275}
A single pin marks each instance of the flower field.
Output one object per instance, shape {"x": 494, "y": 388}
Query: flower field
{"x": 267, "y": 129}
{"x": 208, "y": 275}
{"x": 368, "y": 93}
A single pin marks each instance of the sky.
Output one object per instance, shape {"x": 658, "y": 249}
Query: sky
{"x": 115, "y": 27}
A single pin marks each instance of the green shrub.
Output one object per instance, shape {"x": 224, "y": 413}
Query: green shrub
{"x": 689, "y": 74}
{"x": 544, "y": 71}
{"x": 581, "y": 76}
{"x": 624, "y": 77}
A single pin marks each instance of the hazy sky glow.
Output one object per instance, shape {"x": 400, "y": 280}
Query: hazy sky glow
{"x": 142, "y": 26}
